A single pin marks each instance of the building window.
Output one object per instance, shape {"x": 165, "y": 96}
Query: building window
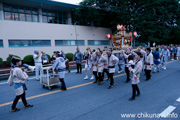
{"x": 18, "y": 13}
{"x": 98, "y": 42}
{"x": 54, "y": 17}
{"x": 1, "y": 43}
{"x": 29, "y": 43}
{"x": 69, "y": 43}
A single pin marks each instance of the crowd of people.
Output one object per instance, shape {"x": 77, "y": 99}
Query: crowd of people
{"x": 99, "y": 62}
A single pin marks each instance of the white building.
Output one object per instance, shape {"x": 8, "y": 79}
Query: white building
{"x": 26, "y": 25}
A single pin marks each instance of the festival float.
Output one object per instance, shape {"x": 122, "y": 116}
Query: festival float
{"x": 120, "y": 39}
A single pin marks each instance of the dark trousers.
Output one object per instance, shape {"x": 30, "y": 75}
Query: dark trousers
{"x": 63, "y": 85}
{"x": 95, "y": 74}
{"x": 107, "y": 73}
{"x": 111, "y": 78}
{"x": 119, "y": 65}
{"x": 148, "y": 74}
{"x": 79, "y": 67}
{"x": 127, "y": 74}
{"x": 23, "y": 98}
{"x": 100, "y": 77}
{"x": 135, "y": 89}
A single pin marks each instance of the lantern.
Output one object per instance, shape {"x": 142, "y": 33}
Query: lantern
{"x": 109, "y": 36}
{"x": 119, "y": 27}
{"x": 135, "y": 34}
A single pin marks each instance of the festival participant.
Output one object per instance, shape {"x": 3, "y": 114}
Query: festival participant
{"x": 156, "y": 60}
{"x": 11, "y": 56}
{"x": 17, "y": 78}
{"x": 112, "y": 61}
{"x": 66, "y": 59}
{"x": 120, "y": 63}
{"x": 38, "y": 63}
{"x": 125, "y": 56}
{"x": 60, "y": 67}
{"x": 136, "y": 71}
{"x": 94, "y": 65}
{"x": 105, "y": 51}
{"x": 101, "y": 60}
{"x": 78, "y": 57}
{"x": 143, "y": 52}
{"x": 88, "y": 63}
{"x": 165, "y": 54}
{"x": 148, "y": 63}
{"x": 178, "y": 52}
{"x": 172, "y": 51}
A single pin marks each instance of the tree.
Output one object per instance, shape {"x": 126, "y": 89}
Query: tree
{"x": 152, "y": 19}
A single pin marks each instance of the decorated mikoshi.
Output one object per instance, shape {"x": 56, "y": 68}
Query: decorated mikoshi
{"x": 120, "y": 39}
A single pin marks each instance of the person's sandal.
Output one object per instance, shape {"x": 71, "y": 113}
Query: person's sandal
{"x": 15, "y": 110}
{"x": 28, "y": 106}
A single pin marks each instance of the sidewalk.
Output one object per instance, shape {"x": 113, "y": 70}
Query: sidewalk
{"x": 4, "y": 72}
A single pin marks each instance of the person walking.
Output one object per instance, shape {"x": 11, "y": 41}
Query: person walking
{"x": 148, "y": 63}
{"x": 156, "y": 60}
{"x": 136, "y": 71}
{"x": 17, "y": 79}
{"x": 60, "y": 67}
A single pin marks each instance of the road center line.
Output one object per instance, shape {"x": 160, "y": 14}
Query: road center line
{"x": 178, "y": 100}
{"x": 167, "y": 111}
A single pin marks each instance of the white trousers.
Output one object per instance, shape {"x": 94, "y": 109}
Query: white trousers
{"x": 38, "y": 69}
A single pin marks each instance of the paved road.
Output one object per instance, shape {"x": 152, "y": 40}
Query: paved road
{"x": 87, "y": 101}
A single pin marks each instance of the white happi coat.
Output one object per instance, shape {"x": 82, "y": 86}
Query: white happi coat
{"x": 164, "y": 55}
{"x": 106, "y": 56}
{"x": 126, "y": 58}
{"x": 94, "y": 62}
{"x": 88, "y": 59}
{"x": 136, "y": 72}
{"x": 60, "y": 66}
{"x": 148, "y": 61}
{"x": 144, "y": 55}
{"x": 112, "y": 61}
{"x": 178, "y": 52}
{"x": 101, "y": 60}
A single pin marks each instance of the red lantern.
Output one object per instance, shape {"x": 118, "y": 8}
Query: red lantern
{"x": 119, "y": 27}
{"x": 109, "y": 36}
{"x": 135, "y": 34}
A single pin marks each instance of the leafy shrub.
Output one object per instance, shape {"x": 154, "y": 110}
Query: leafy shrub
{"x": 1, "y": 61}
{"x": 8, "y": 60}
{"x": 29, "y": 60}
{"x": 70, "y": 56}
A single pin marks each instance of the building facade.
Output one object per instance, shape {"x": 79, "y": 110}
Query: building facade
{"x": 26, "y": 25}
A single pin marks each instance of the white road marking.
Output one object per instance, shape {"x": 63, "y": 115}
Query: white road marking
{"x": 3, "y": 83}
{"x": 178, "y": 100}
{"x": 167, "y": 111}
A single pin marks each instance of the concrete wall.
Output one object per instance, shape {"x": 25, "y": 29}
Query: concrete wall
{"x": 29, "y": 30}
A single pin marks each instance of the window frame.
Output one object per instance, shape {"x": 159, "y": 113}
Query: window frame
{"x": 98, "y": 42}
{"x": 70, "y": 43}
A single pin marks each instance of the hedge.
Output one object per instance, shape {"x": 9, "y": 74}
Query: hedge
{"x": 29, "y": 60}
{"x": 49, "y": 57}
{"x": 8, "y": 60}
{"x": 1, "y": 61}
{"x": 70, "y": 56}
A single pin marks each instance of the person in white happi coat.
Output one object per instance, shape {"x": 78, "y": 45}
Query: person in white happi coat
{"x": 178, "y": 52}
{"x": 94, "y": 65}
{"x": 105, "y": 54}
{"x": 165, "y": 54}
{"x": 17, "y": 79}
{"x": 148, "y": 64}
{"x": 125, "y": 56}
{"x": 38, "y": 63}
{"x": 60, "y": 67}
{"x": 101, "y": 60}
{"x": 143, "y": 52}
{"x": 112, "y": 61}
{"x": 88, "y": 63}
{"x": 136, "y": 71}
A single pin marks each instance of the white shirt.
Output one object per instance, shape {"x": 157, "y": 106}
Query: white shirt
{"x": 37, "y": 60}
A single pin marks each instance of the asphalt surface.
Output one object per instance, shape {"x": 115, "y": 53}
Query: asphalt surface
{"x": 85, "y": 100}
